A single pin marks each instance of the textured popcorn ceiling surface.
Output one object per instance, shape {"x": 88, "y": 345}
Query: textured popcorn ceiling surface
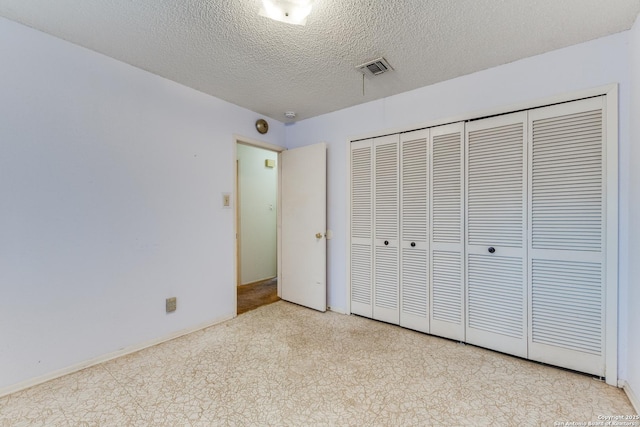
{"x": 226, "y": 49}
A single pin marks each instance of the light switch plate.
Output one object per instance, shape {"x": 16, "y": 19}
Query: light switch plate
{"x": 171, "y": 304}
{"x": 226, "y": 200}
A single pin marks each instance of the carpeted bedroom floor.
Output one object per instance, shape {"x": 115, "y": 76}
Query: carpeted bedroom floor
{"x": 285, "y": 365}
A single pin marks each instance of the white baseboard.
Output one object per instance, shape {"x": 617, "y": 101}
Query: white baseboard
{"x": 109, "y": 356}
{"x": 633, "y": 398}
{"x": 337, "y": 310}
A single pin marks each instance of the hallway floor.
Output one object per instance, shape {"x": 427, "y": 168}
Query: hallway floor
{"x": 257, "y": 294}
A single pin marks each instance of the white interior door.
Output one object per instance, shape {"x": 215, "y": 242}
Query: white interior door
{"x": 414, "y": 240}
{"x": 303, "y": 198}
{"x": 386, "y": 298}
{"x": 567, "y": 235}
{"x": 447, "y": 231}
{"x": 362, "y": 227}
{"x": 496, "y": 231}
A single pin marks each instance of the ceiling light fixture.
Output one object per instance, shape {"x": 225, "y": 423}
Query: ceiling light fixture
{"x": 289, "y": 11}
{"x": 290, "y": 114}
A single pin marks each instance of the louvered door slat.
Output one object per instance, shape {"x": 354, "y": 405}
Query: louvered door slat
{"x": 495, "y": 180}
{"x": 556, "y": 296}
{"x": 386, "y": 190}
{"x": 414, "y": 187}
{"x": 386, "y": 280}
{"x": 566, "y": 235}
{"x": 361, "y": 274}
{"x": 447, "y": 188}
{"x": 386, "y": 283}
{"x": 447, "y": 231}
{"x": 362, "y": 228}
{"x": 414, "y": 283}
{"x": 447, "y": 287}
{"x": 414, "y": 286}
{"x": 361, "y": 200}
{"x": 564, "y": 160}
{"x": 496, "y": 211}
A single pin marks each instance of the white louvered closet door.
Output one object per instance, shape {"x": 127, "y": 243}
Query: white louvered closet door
{"x": 496, "y": 251}
{"x": 447, "y": 231}
{"x": 414, "y": 272}
{"x": 386, "y": 297}
{"x": 362, "y": 228}
{"x": 567, "y": 226}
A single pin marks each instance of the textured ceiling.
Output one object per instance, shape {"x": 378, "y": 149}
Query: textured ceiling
{"x": 226, "y": 49}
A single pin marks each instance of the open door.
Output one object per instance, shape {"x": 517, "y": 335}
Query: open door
{"x": 303, "y": 274}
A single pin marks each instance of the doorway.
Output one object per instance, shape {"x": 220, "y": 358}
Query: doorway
{"x": 256, "y": 224}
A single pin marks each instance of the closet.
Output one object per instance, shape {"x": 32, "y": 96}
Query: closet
{"x": 489, "y": 231}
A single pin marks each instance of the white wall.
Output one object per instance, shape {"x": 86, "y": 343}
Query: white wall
{"x": 258, "y": 187}
{"x": 110, "y": 184}
{"x": 583, "y": 66}
{"x": 633, "y": 301}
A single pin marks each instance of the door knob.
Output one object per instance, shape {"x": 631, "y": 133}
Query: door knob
{"x": 413, "y": 244}
{"x": 318, "y": 235}
{"x": 491, "y": 249}
{"x": 386, "y": 242}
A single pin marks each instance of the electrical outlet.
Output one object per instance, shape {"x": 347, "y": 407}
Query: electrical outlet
{"x": 171, "y": 304}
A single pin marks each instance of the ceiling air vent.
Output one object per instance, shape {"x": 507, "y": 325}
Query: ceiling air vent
{"x": 375, "y": 67}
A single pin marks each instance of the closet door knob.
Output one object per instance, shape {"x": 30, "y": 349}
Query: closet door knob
{"x": 386, "y": 242}
{"x": 413, "y": 244}
{"x": 491, "y": 249}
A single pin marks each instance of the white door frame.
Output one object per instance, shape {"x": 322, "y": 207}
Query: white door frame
{"x": 612, "y": 163}
{"x": 239, "y": 139}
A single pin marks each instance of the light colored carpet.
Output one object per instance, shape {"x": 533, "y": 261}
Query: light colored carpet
{"x": 286, "y": 365}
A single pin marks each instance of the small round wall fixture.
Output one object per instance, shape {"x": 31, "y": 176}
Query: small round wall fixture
{"x": 262, "y": 126}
